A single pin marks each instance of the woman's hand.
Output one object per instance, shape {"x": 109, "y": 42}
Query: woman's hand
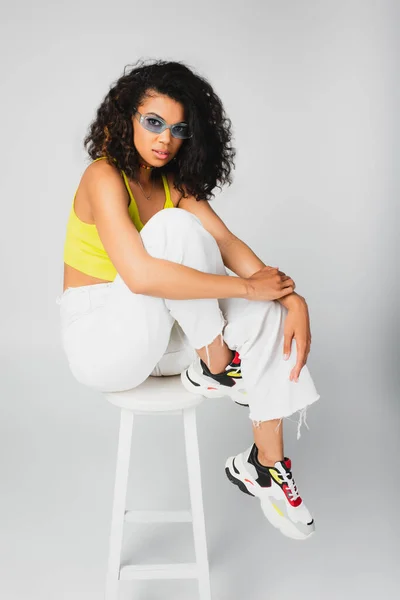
{"x": 297, "y": 325}
{"x": 269, "y": 284}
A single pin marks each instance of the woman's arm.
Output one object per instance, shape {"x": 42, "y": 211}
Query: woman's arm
{"x": 240, "y": 259}
{"x": 150, "y": 276}
{"x": 237, "y": 256}
{"x": 143, "y": 273}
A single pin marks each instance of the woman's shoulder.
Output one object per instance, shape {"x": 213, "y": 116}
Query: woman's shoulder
{"x": 103, "y": 170}
{"x": 98, "y": 172}
{"x": 100, "y": 165}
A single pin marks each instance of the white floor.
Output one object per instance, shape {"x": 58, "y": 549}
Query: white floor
{"x": 58, "y": 448}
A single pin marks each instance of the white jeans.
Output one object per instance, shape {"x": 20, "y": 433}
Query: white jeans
{"x": 114, "y": 339}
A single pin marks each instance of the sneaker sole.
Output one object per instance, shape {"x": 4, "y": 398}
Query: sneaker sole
{"x": 285, "y": 526}
{"x": 204, "y": 392}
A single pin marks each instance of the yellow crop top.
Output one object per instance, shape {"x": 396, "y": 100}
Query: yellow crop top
{"x": 83, "y": 248}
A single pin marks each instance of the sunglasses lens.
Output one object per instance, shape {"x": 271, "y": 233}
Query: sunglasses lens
{"x": 153, "y": 124}
{"x": 181, "y": 131}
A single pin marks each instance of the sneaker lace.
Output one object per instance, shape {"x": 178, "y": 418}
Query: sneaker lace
{"x": 290, "y": 482}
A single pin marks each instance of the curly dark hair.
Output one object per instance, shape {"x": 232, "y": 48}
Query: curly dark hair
{"x": 203, "y": 162}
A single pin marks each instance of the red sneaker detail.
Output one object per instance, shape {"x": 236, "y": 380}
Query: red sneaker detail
{"x": 292, "y": 502}
{"x": 211, "y": 388}
{"x": 288, "y": 463}
{"x": 248, "y": 481}
{"x": 236, "y": 359}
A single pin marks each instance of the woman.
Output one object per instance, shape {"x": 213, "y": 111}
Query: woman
{"x": 146, "y": 291}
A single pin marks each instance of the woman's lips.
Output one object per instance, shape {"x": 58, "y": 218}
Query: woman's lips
{"x": 161, "y": 154}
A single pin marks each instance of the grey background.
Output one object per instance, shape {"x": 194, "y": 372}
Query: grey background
{"x": 312, "y": 89}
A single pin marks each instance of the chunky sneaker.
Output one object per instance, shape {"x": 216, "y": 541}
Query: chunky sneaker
{"x": 198, "y": 378}
{"x": 276, "y": 489}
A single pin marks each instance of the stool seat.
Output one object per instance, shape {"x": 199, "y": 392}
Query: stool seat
{"x": 155, "y": 394}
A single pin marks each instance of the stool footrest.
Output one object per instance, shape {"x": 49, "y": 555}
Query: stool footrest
{"x": 166, "y": 571}
{"x": 158, "y": 516}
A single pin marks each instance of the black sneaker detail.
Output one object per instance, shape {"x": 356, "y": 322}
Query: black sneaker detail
{"x": 191, "y": 380}
{"x": 234, "y": 467}
{"x": 264, "y": 477}
{"x": 222, "y": 378}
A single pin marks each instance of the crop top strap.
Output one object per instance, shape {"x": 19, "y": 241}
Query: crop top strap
{"x": 168, "y": 201}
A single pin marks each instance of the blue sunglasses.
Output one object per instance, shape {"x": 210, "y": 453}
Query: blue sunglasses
{"x": 158, "y": 125}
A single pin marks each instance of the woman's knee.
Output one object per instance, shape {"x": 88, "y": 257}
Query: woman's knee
{"x": 179, "y": 236}
{"x": 177, "y": 233}
{"x": 178, "y": 221}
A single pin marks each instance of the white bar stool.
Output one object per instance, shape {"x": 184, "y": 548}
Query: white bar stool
{"x": 154, "y": 396}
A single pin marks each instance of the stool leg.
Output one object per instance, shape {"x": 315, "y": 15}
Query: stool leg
{"x": 119, "y": 503}
{"x": 196, "y": 499}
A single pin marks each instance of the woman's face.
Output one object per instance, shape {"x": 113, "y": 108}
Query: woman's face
{"x": 147, "y": 142}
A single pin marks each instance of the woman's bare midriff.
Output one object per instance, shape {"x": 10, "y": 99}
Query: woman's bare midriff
{"x": 75, "y": 278}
